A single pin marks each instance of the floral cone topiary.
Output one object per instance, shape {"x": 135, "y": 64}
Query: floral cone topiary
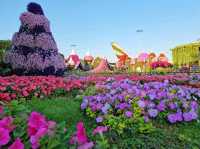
{"x": 34, "y": 50}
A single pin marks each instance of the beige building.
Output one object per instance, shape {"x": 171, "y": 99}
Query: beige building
{"x": 186, "y": 55}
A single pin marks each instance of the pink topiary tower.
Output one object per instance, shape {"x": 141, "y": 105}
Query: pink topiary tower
{"x": 34, "y": 50}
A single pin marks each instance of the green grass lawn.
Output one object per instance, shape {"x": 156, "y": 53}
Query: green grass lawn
{"x": 165, "y": 136}
{"x": 62, "y": 109}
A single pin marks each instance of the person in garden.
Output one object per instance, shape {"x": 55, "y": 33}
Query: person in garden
{"x": 34, "y": 50}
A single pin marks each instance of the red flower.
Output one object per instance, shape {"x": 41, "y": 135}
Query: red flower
{"x": 5, "y": 96}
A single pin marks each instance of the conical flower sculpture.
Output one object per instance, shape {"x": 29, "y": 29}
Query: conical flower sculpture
{"x": 34, "y": 50}
{"x": 102, "y": 67}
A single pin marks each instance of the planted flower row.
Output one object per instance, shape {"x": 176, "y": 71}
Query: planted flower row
{"x": 130, "y": 100}
{"x": 13, "y": 87}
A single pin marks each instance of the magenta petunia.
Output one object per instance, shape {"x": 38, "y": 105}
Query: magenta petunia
{"x": 7, "y": 123}
{"x": 4, "y": 136}
{"x": 17, "y": 144}
{"x": 81, "y": 133}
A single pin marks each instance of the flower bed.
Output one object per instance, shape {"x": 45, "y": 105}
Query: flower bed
{"x": 14, "y": 87}
{"x": 124, "y": 105}
{"x": 128, "y": 101}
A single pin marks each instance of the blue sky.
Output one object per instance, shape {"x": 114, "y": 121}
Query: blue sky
{"x": 93, "y": 24}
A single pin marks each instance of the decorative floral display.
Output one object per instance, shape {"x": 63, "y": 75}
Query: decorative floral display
{"x": 162, "y": 64}
{"x": 33, "y": 20}
{"x": 118, "y": 103}
{"x": 45, "y": 41}
{"x": 23, "y": 39}
{"x": 34, "y": 50}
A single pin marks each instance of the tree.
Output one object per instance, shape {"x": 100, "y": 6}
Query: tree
{"x": 4, "y": 45}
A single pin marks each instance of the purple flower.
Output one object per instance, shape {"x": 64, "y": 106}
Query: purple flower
{"x": 128, "y": 114}
{"x": 153, "y": 112}
{"x": 161, "y": 94}
{"x": 105, "y": 108}
{"x": 123, "y": 106}
{"x": 171, "y": 118}
{"x": 99, "y": 119}
{"x": 84, "y": 104}
{"x": 151, "y": 105}
{"x": 172, "y": 106}
{"x": 141, "y": 104}
{"x": 161, "y": 106}
{"x": 189, "y": 116}
{"x": 179, "y": 116}
{"x": 146, "y": 119}
{"x": 194, "y": 105}
{"x": 176, "y": 117}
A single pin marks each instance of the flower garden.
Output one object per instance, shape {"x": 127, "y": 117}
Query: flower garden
{"x": 99, "y": 111}
{"x": 47, "y": 101}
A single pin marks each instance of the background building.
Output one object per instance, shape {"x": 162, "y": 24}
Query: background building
{"x": 187, "y": 55}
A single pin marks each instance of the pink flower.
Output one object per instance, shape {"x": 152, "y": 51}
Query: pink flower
{"x": 38, "y": 127}
{"x": 1, "y": 109}
{"x": 87, "y": 145}
{"x": 17, "y": 144}
{"x": 81, "y": 133}
{"x": 35, "y": 139}
{"x": 4, "y": 136}
{"x": 100, "y": 129}
{"x": 41, "y": 132}
{"x": 35, "y": 122}
{"x": 7, "y": 123}
{"x": 25, "y": 93}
